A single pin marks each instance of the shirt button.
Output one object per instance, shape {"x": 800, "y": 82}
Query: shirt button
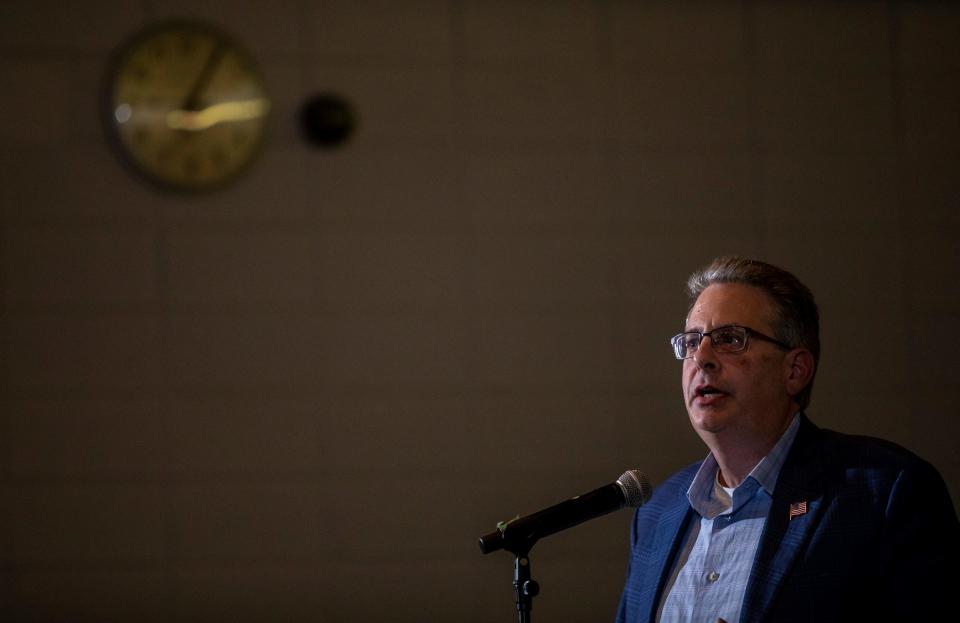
{"x": 713, "y": 576}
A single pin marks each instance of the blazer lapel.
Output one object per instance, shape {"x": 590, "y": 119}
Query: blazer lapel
{"x": 794, "y": 512}
{"x": 671, "y": 529}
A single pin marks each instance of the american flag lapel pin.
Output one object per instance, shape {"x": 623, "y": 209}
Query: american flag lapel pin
{"x": 797, "y": 509}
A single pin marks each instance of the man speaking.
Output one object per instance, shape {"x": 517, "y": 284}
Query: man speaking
{"x": 783, "y": 521}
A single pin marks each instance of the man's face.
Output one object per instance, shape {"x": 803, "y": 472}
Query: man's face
{"x": 740, "y": 396}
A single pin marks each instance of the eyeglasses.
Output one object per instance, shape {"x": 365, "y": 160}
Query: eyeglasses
{"x": 729, "y": 339}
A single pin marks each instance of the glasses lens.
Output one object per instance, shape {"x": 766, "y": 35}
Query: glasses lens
{"x": 685, "y": 343}
{"x": 729, "y": 339}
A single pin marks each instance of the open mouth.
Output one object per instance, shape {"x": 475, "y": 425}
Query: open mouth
{"x": 708, "y": 392}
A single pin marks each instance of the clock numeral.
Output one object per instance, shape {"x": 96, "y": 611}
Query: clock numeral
{"x": 238, "y": 137}
{"x": 185, "y": 45}
{"x": 218, "y": 157}
{"x": 164, "y": 154}
{"x": 241, "y": 67}
{"x": 191, "y": 166}
{"x": 140, "y": 73}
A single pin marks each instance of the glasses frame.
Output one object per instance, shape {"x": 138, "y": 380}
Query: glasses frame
{"x": 747, "y": 331}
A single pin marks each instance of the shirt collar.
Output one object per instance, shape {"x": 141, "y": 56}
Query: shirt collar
{"x": 764, "y": 474}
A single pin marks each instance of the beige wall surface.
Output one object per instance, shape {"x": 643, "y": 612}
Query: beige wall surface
{"x": 304, "y": 397}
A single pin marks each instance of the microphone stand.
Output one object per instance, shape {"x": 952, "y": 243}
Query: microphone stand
{"x": 518, "y": 543}
{"x": 525, "y": 588}
{"x": 519, "y": 535}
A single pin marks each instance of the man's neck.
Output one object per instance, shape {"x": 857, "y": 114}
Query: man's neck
{"x": 735, "y": 467}
{"x": 737, "y": 456}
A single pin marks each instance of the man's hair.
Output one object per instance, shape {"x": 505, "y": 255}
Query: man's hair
{"x": 796, "y": 320}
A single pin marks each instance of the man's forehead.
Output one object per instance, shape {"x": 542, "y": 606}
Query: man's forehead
{"x": 731, "y": 304}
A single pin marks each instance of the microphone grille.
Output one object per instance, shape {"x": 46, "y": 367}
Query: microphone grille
{"x": 636, "y": 488}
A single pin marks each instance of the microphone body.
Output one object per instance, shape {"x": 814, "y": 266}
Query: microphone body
{"x": 631, "y": 489}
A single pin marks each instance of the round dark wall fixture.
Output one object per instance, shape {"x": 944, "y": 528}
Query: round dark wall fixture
{"x": 327, "y": 120}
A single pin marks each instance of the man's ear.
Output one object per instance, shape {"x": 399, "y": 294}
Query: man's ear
{"x": 800, "y": 370}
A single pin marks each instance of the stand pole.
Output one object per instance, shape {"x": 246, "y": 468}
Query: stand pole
{"x": 524, "y": 587}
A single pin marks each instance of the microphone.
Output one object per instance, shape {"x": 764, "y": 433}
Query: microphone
{"x": 631, "y": 489}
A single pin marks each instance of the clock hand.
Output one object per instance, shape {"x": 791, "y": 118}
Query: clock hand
{"x": 223, "y": 112}
{"x": 192, "y": 101}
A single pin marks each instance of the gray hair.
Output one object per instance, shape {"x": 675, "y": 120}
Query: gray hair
{"x": 796, "y": 321}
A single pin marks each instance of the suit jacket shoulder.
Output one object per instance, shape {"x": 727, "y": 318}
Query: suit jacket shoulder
{"x": 859, "y": 529}
{"x": 853, "y": 518}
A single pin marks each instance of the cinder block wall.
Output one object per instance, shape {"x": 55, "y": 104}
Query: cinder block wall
{"x": 305, "y": 396}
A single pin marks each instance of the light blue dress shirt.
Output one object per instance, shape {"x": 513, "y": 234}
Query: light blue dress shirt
{"x": 710, "y": 576}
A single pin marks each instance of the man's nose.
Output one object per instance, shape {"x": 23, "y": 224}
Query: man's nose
{"x": 705, "y": 356}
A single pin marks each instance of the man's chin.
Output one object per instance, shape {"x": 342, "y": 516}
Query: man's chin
{"x": 711, "y": 421}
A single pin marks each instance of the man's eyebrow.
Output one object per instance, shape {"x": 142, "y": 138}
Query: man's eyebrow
{"x": 719, "y": 326}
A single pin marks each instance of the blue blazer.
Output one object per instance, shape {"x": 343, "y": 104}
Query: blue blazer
{"x": 878, "y": 541}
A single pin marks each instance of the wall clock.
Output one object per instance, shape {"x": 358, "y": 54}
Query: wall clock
{"x": 186, "y": 106}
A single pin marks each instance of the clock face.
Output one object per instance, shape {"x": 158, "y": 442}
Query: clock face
{"x": 187, "y": 106}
